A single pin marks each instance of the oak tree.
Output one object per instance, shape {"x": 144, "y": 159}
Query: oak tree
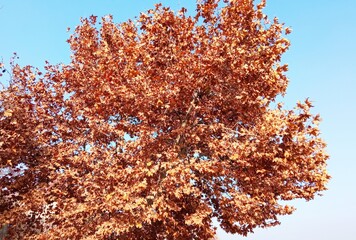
{"x": 157, "y": 127}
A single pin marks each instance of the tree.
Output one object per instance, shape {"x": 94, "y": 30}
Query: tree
{"x": 156, "y": 127}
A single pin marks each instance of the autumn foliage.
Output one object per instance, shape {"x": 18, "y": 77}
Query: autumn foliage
{"x": 156, "y": 128}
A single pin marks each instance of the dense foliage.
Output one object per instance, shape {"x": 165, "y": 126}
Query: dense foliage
{"x": 155, "y": 128}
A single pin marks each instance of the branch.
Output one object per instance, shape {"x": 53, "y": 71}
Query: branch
{"x": 187, "y": 114}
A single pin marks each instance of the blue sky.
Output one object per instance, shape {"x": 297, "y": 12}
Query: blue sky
{"x": 322, "y": 63}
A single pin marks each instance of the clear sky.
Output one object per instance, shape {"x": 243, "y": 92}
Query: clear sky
{"x": 322, "y": 63}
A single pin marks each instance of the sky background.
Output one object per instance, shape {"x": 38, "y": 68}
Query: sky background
{"x": 322, "y": 63}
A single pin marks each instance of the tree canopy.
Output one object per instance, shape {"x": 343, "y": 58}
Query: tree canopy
{"x": 155, "y": 128}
